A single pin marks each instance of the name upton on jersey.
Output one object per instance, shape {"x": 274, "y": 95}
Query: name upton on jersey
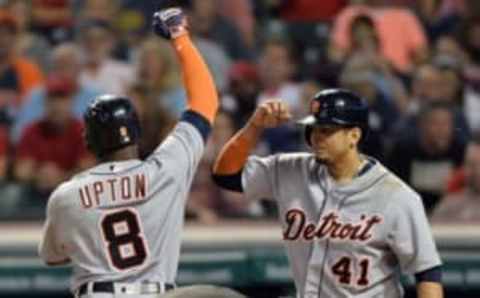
{"x": 121, "y": 188}
{"x": 329, "y": 227}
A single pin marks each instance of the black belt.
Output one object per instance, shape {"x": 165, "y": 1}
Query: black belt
{"x": 108, "y": 287}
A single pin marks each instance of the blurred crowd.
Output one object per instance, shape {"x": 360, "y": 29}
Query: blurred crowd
{"x": 417, "y": 63}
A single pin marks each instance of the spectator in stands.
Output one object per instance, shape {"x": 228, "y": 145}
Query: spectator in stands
{"x": 366, "y": 55}
{"x": 244, "y": 88}
{"x": 308, "y": 10}
{"x": 208, "y": 204}
{"x": 383, "y": 113}
{"x": 440, "y": 17}
{"x": 100, "y": 71}
{"x": 464, "y": 206}
{"x": 158, "y": 71}
{"x": 206, "y": 22}
{"x": 309, "y": 88}
{"x": 426, "y": 79}
{"x": 4, "y": 152}
{"x": 277, "y": 68}
{"x": 52, "y": 148}
{"x": 401, "y": 35}
{"x": 103, "y": 10}
{"x": 433, "y": 84}
{"x": 240, "y": 13}
{"x": 18, "y": 75}
{"x": 448, "y": 45}
{"x": 30, "y": 45}
{"x": 156, "y": 120}
{"x": 65, "y": 62}
{"x": 53, "y": 19}
{"x": 426, "y": 159}
{"x": 470, "y": 39}
{"x": 217, "y": 60}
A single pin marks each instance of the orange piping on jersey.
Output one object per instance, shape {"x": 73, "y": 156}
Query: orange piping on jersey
{"x": 201, "y": 90}
{"x": 234, "y": 154}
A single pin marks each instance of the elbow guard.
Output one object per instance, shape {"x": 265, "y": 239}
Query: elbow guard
{"x": 231, "y": 182}
{"x": 433, "y": 275}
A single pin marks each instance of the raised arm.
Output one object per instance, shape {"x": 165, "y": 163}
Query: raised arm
{"x": 232, "y": 158}
{"x": 202, "y": 95}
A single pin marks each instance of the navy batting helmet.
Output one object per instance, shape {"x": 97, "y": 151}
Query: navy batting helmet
{"x": 111, "y": 123}
{"x": 336, "y": 107}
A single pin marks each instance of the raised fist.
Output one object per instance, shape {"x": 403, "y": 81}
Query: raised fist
{"x": 271, "y": 113}
{"x": 170, "y": 23}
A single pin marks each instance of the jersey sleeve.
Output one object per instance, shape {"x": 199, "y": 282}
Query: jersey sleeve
{"x": 410, "y": 236}
{"x": 181, "y": 151}
{"x": 258, "y": 177}
{"x": 49, "y": 249}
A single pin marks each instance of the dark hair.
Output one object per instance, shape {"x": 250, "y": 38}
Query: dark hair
{"x": 367, "y": 20}
{"x": 362, "y": 19}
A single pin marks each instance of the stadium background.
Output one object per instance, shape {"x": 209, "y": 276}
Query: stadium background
{"x": 416, "y": 62}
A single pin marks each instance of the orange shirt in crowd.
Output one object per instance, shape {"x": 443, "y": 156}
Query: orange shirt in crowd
{"x": 400, "y": 33}
{"x": 29, "y": 74}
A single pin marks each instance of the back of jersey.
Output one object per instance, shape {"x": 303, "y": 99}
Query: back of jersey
{"x": 122, "y": 221}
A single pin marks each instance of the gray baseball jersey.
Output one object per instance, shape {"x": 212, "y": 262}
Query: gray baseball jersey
{"x": 345, "y": 240}
{"x": 122, "y": 221}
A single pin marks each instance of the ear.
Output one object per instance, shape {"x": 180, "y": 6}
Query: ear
{"x": 356, "y": 134}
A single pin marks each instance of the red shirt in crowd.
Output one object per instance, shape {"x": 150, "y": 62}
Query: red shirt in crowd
{"x": 58, "y": 6}
{"x": 311, "y": 10}
{"x": 43, "y": 143}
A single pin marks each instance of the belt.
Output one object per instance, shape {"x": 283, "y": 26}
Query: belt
{"x": 126, "y": 288}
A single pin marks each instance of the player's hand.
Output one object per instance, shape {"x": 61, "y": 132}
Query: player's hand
{"x": 271, "y": 113}
{"x": 170, "y": 23}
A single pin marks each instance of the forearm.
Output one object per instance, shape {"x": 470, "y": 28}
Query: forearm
{"x": 234, "y": 154}
{"x": 201, "y": 91}
{"x": 427, "y": 289}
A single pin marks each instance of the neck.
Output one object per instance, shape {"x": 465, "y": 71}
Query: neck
{"x": 347, "y": 167}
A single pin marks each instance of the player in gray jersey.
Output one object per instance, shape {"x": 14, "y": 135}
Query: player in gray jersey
{"x": 120, "y": 223}
{"x": 350, "y": 226}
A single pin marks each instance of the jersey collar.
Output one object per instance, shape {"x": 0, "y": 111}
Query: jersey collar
{"x": 115, "y": 167}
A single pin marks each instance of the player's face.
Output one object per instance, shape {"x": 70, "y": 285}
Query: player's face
{"x": 330, "y": 142}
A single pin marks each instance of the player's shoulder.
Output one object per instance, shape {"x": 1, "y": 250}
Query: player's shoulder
{"x": 284, "y": 160}
{"x": 59, "y": 196}
{"x": 295, "y": 158}
{"x": 399, "y": 192}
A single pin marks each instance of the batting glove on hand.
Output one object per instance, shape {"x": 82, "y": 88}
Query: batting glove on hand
{"x": 170, "y": 23}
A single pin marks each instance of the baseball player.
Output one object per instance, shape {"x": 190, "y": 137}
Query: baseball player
{"x": 120, "y": 223}
{"x": 348, "y": 223}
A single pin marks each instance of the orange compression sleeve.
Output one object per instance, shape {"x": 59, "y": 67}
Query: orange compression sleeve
{"x": 234, "y": 154}
{"x": 201, "y": 90}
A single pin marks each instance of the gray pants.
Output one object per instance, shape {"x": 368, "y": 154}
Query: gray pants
{"x": 200, "y": 291}
{"x": 203, "y": 291}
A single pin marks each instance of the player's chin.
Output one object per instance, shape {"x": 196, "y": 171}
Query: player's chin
{"x": 321, "y": 156}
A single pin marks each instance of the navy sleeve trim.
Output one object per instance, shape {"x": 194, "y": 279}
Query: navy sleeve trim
{"x": 231, "y": 182}
{"x": 433, "y": 274}
{"x": 199, "y": 122}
